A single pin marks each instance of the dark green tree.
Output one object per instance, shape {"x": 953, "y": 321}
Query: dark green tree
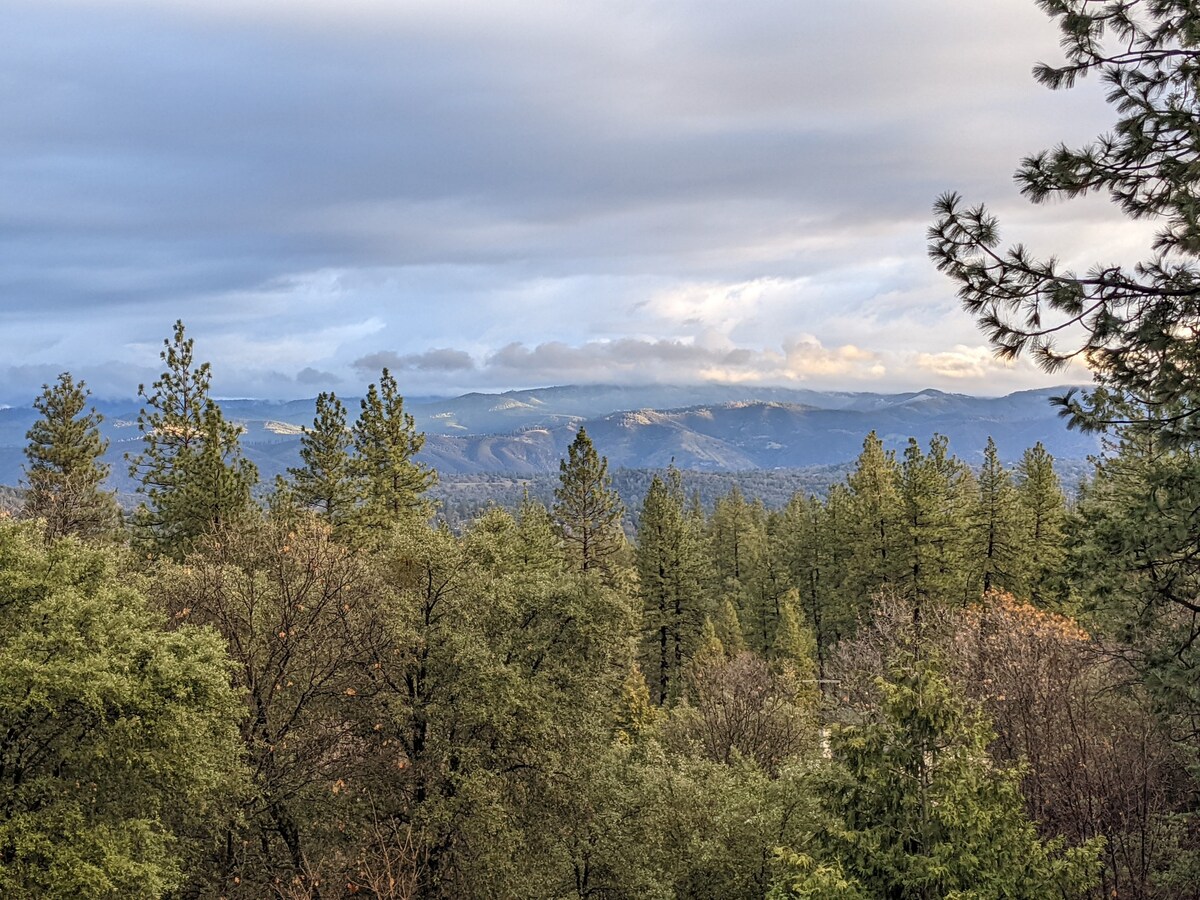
{"x": 997, "y": 550}
{"x": 1135, "y": 325}
{"x": 64, "y": 473}
{"x": 190, "y": 470}
{"x": 917, "y": 810}
{"x": 390, "y": 482}
{"x": 587, "y": 509}
{"x": 935, "y": 489}
{"x": 1043, "y": 512}
{"x": 670, "y": 570}
{"x": 325, "y": 482}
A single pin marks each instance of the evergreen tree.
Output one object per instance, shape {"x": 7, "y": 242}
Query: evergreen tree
{"x": 997, "y": 550}
{"x": 934, "y": 490}
{"x": 737, "y": 541}
{"x": 918, "y": 810}
{"x": 805, "y": 544}
{"x": 1134, "y": 324}
{"x": 191, "y": 471}
{"x": 1043, "y": 511}
{"x": 390, "y": 482}
{"x": 325, "y": 481}
{"x": 670, "y": 584}
{"x": 587, "y": 509}
{"x": 64, "y": 472}
{"x": 875, "y": 523}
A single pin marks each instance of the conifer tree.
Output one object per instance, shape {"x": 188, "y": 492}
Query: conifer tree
{"x": 389, "y": 480}
{"x": 996, "y": 549}
{"x": 805, "y": 542}
{"x": 587, "y": 509}
{"x": 918, "y": 810}
{"x": 325, "y": 481}
{"x": 191, "y": 471}
{"x": 875, "y": 522}
{"x": 670, "y": 584}
{"x": 934, "y": 490}
{"x": 64, "y": 471}
{"x": 737, "y": 541}
{"x": 727, "y": 629}
{"x": 1043, "y": 513}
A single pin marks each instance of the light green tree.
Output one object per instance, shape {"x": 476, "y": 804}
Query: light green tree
{"x": 325, "y": 482}
{"x": 875, "y": 533}
{"x": 587, "y": 509}
{"x": 190, "y": 470}
{"x": 64, "y": 473}
{"x": 390, "y": 483}
{"x": 1043, "y": 512}
{"x": 118, "y": 738}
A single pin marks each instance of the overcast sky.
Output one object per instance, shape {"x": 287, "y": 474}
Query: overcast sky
{"x": 492, "y": 194}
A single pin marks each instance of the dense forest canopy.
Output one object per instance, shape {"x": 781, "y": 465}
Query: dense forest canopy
{"x": 930, "y": 680}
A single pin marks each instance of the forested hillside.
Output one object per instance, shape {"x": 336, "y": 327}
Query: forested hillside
{"x": 932, "y": 677}
{"x": 904, "y": 678}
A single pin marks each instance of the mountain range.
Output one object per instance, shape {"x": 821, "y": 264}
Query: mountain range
{"x": 703, "y": 428}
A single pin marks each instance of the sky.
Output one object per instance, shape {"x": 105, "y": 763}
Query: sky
{"x": 500, "y": 194}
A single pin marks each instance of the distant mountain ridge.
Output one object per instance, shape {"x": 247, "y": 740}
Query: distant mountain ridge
{"x": 706, "y": 428}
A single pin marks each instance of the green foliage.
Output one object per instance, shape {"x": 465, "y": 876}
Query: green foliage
{"x": 390, "y": 483}
{"x": 1133, "y": 324}
{"x": 64, "y": 472}
{"x": 917, "y": 809}
{"x": 190, "y": 469}
{"x": 587, "y": 510}
{"x": 1043, "y": 513}
{"x": 119, "y": 738}
{"x": 935, "y": 491}
{"x": 325, "y": 482}
{"x": 671, "y": 576}
{"x": 998, "y": 552}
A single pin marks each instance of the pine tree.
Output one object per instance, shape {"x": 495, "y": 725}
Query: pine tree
{"x": 389, "y": 481}
{"x": 325, "y": 481}
{"x": 670, "y": 580}
{"x": 874, "y": 535}
{"x": 935, "y": 490}
{"x": 587, "y": 509}
{"x": 997, "y": 549}
{"x": 64, "y": 472}
{"x": 917, "y": 809}
{"x": 1043, "y": 510}
{"x": 805, "y": 543}
{"x": 1134, "y": 324}
{"x": 191, "y": 471}
{"x": 737, "y": 538}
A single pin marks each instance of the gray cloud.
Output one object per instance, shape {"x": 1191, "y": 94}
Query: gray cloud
{"x": 306, "y": 182}
{"x": 437, "y": 360}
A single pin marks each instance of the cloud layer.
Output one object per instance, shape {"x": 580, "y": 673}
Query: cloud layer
{"x": 499, "y": 194}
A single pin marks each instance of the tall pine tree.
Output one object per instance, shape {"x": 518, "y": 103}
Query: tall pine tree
{"x": 64, "y": 472}
{"x": 587, "y": 509}
{"x": 191, "y": 471}
{"x": 390, "y": 482}
{"x": 325, "y": 482}
{"x": 670, "y": 577}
